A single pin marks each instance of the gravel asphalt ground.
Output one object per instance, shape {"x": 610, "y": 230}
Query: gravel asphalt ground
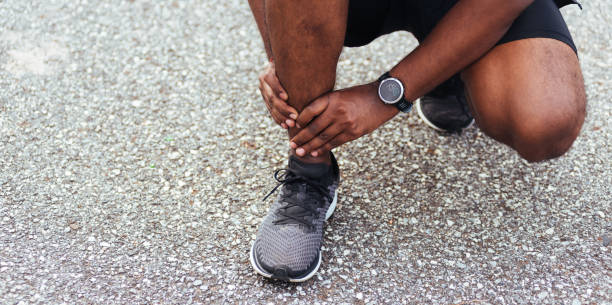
{"x": 135, "y": 152}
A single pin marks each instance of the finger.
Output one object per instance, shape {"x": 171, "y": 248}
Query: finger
{"x": 277, "y": 105}
{"x": 278, "y": 118}
{"x": 267, "y": 91}
{"x": 331, "y": 144}
{"x": 261, "y": 83}
{"x": 273, "y": 87}
{"x": 271, "y": 78}
{"x": 264, "y": 94}
{"x": 307, "y": 133}
{"x": 274, "y": 82}
{"x": 283, "y": 108}
{"x": 312, "y": 110}
{"x": 280, "y": 103}
{"x": 260, "y": 86}
{"x": 321, "y": 139}
{"x": 278, "y": 88}
{"x": 290, "y": 123}
{"x": 266, "y": 102}
{"x": 283, "y": 95}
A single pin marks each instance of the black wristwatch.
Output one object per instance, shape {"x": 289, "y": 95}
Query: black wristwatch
{"x": 391, "y": 91}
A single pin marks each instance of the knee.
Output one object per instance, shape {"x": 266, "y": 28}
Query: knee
{"x": 547, "y": 133}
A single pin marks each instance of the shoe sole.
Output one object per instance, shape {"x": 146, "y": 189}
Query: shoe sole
{"x": 328, "y": 214}
{"x": 429, "y": 123}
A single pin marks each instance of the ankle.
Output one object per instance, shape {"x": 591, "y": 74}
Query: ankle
{"x": 323, "y": 158}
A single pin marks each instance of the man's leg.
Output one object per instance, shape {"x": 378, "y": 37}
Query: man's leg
{"x": 306, "y": 38}
{"x": 529, "y": 94}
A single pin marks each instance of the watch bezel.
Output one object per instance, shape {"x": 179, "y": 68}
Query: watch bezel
{"x": 399, "y": 97}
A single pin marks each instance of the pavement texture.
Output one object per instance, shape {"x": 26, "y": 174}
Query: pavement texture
{"x": 135, "y": 152}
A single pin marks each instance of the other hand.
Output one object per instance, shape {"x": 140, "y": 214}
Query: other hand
{"x": 339, "y": 117}
{"x": 276, "y": 97}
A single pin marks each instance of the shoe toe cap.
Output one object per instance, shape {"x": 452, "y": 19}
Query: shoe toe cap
{"x": 285, "y": 260}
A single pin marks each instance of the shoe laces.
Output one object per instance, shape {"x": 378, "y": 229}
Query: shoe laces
{"x": 308, "y": 206}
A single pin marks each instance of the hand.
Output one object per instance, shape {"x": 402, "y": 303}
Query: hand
{"x": 276, "y": 98}
{"x": 339, "y": 117}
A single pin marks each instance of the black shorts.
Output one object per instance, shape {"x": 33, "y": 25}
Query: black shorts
{"x": 369, "y": 19}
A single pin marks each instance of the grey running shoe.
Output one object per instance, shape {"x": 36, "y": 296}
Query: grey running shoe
{"x": 445, "y": 108}
{"x": 288, "y": 244}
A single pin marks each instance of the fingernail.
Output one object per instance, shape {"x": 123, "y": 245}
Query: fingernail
{"x": 293, "y": 116}
{"x": 314, "y": 154}
{"x": 300, "y": 151}
{"x": 292, "y": 145}
{"x": 289, "y": 122}
{"x": 284, "y": 126}
{"x": 298, "y": 125}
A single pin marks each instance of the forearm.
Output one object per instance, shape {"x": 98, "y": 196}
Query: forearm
{"x": 467, "y": 32}
{"x": 258, "y": 9}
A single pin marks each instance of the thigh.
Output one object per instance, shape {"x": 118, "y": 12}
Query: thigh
{"x": 531, "y": 81}
{"x": 541, "y": 19}
{"x": 528, "y": 88}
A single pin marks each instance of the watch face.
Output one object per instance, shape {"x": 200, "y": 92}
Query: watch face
{"x": 390, "y": 90}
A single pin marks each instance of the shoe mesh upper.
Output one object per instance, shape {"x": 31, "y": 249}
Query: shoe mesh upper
{"x": 294, "y": 246}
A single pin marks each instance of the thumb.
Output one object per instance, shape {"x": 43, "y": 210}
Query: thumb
{"x": 312, "y": 110}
